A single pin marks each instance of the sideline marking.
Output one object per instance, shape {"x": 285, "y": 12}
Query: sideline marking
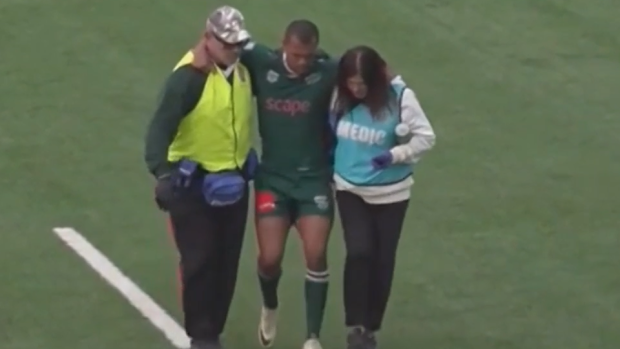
{"x": 155, "y": 314}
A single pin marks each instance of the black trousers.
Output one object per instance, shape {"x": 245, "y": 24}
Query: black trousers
{"x": 209, "y": 241}
{"x": 371, "y": 234}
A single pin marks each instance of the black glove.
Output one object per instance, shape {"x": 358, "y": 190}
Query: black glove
{"x": 165, "y": 192}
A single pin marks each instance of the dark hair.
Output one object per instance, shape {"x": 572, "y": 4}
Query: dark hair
{"x": 366, "y": 62}
{"x": 303, "y": 30}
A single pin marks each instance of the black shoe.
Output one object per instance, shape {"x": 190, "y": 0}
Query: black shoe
{"x": 356, "y": 339}
{"x": 202, "y": 344}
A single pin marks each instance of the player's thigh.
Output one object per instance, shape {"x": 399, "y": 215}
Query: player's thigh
{"x": 272, "y": 221}
{"x": 357, "y": 221}
{"x": 269, "y": 200}
{"x": 314, "y": 199}
{"x": 315, "y": 216}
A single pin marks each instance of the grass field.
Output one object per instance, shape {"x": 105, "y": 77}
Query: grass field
{"x": 512, "y": 239}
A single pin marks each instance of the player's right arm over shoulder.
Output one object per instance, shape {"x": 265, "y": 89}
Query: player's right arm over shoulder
{"x": 255, "y": 54}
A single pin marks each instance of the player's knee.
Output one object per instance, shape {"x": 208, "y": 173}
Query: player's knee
{"x": 269, "y": 264}
{"x": 315, "y": 253}
{"x": 316, "y": 261}
{"x": 317, "y": 271}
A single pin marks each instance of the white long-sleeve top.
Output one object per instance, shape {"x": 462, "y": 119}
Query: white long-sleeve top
{"x": 422, "y": 140}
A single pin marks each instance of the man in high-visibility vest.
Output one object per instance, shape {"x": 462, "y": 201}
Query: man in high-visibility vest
{"x": 199, "y": 148}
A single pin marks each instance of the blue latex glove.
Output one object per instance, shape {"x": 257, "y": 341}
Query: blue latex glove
{"x": 382, "y": 161}
{"x": 251, "y": 165}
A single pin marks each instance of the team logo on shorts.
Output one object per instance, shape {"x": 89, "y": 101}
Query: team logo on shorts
{"x": 321, "y": 202}
{"x": 265, "y": 202}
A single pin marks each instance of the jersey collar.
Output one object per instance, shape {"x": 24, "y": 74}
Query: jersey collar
{"x": 290, "y": 72}
{"x": 288, "y": 69}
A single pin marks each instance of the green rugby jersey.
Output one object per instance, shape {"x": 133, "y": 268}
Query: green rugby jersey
{"x": 292, "y": 112}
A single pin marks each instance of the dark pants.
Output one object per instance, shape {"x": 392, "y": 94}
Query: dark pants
{"x": 371, "y": 234}
{"x": 209, "y": 241}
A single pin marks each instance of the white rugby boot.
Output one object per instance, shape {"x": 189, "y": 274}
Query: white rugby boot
{"x": 312, "y": 343}
{"x": 268, "y": 326}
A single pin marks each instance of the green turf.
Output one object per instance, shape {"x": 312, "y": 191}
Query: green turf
{"x": 512, "y": 240}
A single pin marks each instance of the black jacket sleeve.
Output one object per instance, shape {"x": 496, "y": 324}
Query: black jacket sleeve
{"x": 179, "y": 97}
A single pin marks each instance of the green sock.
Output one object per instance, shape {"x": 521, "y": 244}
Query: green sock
{"x": 269, "y": 290}
{"x": 316, "y": 286}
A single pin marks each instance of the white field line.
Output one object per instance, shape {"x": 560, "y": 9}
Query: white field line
{"x": 155, "y": 314}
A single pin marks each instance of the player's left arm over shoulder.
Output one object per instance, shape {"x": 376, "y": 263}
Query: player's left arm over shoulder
{"x": 422, "y": 133}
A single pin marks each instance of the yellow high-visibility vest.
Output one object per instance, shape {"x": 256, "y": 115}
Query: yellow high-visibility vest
{"x": 216, "y": 134}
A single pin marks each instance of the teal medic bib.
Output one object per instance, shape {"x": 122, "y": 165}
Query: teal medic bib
{"x": 361, "y": 138}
